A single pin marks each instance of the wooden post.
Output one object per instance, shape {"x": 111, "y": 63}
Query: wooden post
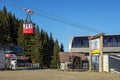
{"x": 101, "y": 54}
{"x": 90, "y": 56}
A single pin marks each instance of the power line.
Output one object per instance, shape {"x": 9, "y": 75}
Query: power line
{"x": 72, "y": 24}
{"x": 63, "y": 20}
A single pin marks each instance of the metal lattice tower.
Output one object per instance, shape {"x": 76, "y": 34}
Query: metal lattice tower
{"x": 28, "y": 13}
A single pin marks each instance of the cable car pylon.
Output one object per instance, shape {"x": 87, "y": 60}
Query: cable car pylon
{"x": 28, "y": 26}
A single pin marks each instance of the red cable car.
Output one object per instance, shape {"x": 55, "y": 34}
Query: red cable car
{"x": 28, "y": 26}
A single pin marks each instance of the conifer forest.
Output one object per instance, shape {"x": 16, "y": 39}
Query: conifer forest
{"x": 40, "y": 46}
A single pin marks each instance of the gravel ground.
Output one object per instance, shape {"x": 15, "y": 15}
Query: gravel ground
{"x": 48, "y": 74}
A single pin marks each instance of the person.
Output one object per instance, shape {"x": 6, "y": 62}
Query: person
{"x": 13, "y": 64}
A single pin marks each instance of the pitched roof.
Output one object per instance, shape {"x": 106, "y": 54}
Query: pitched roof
{"x": 64, "y": 56}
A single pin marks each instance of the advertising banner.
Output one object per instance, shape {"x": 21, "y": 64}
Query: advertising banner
{"x": 95, "y": 46}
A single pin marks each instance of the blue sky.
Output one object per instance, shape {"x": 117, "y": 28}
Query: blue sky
{"x": 101, "y": 15}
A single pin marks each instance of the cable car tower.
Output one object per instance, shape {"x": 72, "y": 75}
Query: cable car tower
{"x": 28, "y": 26}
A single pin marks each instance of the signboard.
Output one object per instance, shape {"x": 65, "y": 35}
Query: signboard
{"x": 95, "y": 46}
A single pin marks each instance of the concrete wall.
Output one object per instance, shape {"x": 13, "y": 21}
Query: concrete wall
{"x": 105, "y": 49}
{"x": 2, "y": 61}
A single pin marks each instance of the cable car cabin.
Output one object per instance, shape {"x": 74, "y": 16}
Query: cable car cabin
{"x": 28, "y": 28}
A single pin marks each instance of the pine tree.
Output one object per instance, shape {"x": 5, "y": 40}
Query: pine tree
{"x": 8, "y": 25}
{"x": 50, "y": 47}
{"x": 55, "y": 57}
{"x": 21, "y": 37}
{"x": 36, "y": 56}
{"x": 39, "y": 46}
{"x": 46, "y": 50}
{"x": 13, "y": 23}
{"x": 1, "y": 28}
{"x": 5, "y": 28}
{"x": 61, "y": 48}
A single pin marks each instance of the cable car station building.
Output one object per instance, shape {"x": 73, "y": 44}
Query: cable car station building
{"x": 111, "y": 51}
